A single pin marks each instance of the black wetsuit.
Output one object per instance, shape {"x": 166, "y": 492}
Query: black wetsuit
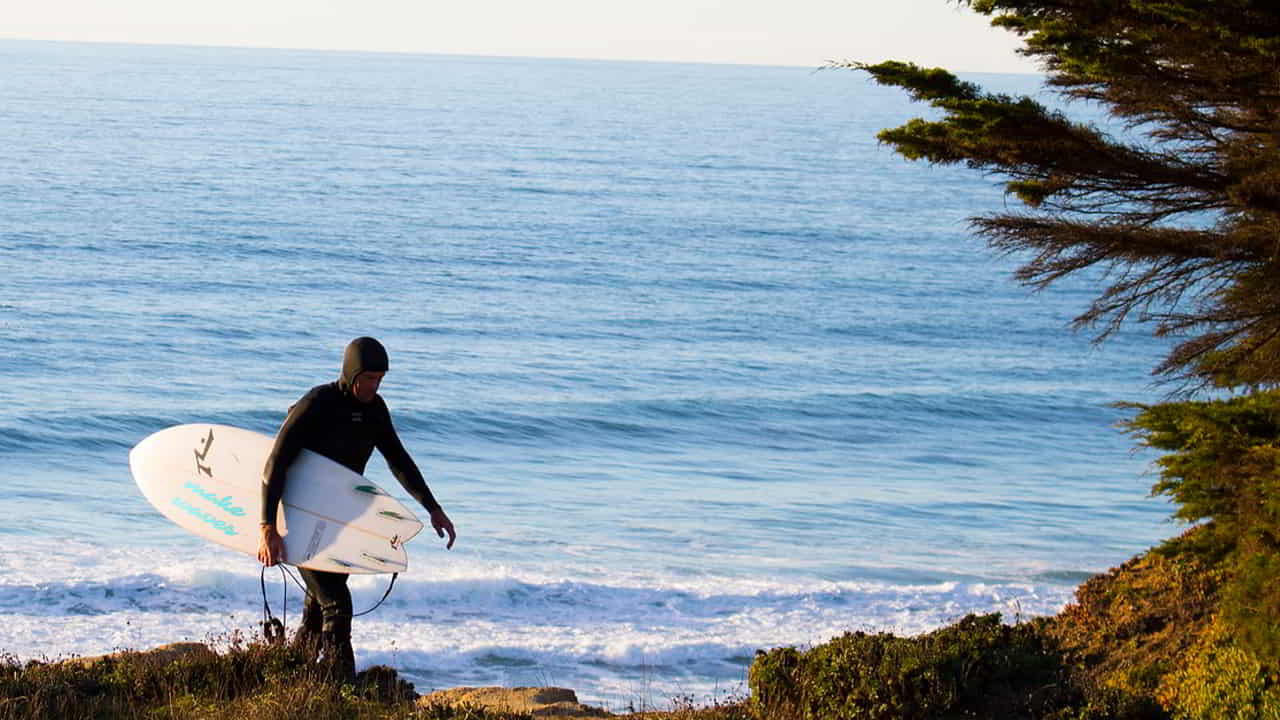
{"x": 330, "y": 420}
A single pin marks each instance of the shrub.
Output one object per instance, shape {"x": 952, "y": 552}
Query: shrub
{"x": 1223, "y": 466}
{"x": 1129, "y": 627}
{"x": 978, "y": 667}
{"x": 250, "y": 681}
{"x": 1221, "y": 681}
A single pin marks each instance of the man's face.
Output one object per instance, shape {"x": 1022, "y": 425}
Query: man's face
{"x": 366, "y": 385}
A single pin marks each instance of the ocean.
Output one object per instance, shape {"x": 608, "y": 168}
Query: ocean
{"x": 695, "y": 365}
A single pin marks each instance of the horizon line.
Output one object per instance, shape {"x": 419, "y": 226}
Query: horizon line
{"x": 489, "y": 56}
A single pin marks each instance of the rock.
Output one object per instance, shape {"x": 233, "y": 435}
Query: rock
{"x": 162, "y": 655}
{"x": 541, "y": 702}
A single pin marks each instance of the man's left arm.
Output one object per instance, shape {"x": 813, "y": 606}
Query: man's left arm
{"x": 410, "y": 477}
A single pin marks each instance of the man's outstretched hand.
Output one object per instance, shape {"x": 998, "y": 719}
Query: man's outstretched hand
{"x": 442, "y": 524}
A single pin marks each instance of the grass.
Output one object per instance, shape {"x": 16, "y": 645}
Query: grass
{"x": 245, "y": 681}
{"x": 253, "y": 681}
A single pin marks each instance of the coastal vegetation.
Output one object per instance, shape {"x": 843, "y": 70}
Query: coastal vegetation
{"x": 1179, "y": 210}
{"x": 256, "y": 681}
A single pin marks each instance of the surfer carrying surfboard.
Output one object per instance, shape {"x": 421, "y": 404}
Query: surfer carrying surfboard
{"x": 344, "y": 421}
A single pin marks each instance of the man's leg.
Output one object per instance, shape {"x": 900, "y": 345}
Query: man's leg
{"x": 307, "y": 639}
{"x": 333, "y": 596}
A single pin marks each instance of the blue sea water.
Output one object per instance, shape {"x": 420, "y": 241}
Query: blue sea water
{"x": 695, "y": 365}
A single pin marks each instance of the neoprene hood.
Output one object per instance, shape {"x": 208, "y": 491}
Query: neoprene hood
{"x": 364, "y": 354}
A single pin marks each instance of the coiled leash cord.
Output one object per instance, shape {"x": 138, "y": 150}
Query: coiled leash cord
{"x": 273, "y": 628}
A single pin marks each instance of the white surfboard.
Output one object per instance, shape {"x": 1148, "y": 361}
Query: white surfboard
{"x": 208, "y": 479}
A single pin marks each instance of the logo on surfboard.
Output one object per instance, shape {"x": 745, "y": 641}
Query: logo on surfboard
{"x": 201, "y": 453}
{"x": 224, "y": 503}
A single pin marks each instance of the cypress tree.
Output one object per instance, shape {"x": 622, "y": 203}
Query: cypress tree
{"x": 1181, "y": 208}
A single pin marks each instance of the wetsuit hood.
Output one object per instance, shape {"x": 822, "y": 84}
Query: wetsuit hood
{"x": 364, "y": 354}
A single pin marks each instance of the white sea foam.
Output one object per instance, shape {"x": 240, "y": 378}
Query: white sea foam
{"x": 465, "y": 623}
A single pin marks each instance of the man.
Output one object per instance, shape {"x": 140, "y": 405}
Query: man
{"x": 344, "y": 421}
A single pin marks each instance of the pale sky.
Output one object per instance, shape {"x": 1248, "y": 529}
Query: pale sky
{"x": 768, "y": 32}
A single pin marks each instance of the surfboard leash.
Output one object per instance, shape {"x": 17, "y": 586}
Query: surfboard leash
{"x": 273, "y": 628}
{"x": 385, "y": 595}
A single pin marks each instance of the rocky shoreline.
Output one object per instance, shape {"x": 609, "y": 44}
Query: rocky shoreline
{"x": 544, "y": 703}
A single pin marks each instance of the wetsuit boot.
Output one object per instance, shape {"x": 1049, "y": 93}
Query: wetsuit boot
{"x": 334, "y": 601}
{"x": 338, "y": 655}
{"x": 307, "y": 639}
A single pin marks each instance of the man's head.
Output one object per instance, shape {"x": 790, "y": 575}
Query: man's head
{"x": 363, "y": 364}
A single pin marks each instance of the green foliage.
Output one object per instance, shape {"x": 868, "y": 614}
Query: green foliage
{"x": 1131, "y": 626}
{"x": 685, "y": 709}
{"x": 1221, "y": 459}
{"x": 439, "y": 711}
{"x": 1221, "y": 681}
{"x": 251, "y": 682}
{"x": 1097, "y": 41}
{"x": 1251, "y": 604}
{"x": 1183, "y": 208}
{"x": 1222, "y": 467}
{"x": 977, "y": 667}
